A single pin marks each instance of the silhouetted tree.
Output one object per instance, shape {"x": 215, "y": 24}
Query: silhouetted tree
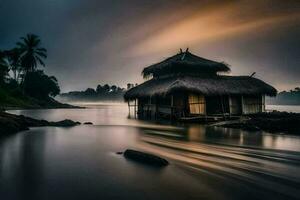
{"x": 4, "y": 67}
{"x": 99, "y": 89}
{"x": 106, "y": 88}
{"x": 13, "y": 57}
{"x": 39, "y": 85}
{"x": 31, "y": 53}
{"x": 102, "y": 93}
{"x": 119, "y": 89}
{"x": 113, "y": 88}
{"x": 90, "y": 91}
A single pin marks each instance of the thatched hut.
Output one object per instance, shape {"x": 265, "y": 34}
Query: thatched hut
{"x": 187, "y": 86}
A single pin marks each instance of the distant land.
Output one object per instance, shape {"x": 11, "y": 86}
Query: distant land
{"x": 101, "y": 93}
{"x": 115, "y": 93}
{"x": 291, "y": 97}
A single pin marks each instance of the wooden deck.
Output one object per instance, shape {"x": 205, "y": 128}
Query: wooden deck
{"x": 208, "y": 118}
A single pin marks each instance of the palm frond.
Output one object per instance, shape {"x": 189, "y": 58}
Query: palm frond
{"x": 40, "y": 61}
{"x": 42, "y": 49}
{"x": 42, "y": 54}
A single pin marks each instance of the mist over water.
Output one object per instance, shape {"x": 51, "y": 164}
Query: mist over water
{"x": 206, "y": 162}
{"x": 284, "y": 108}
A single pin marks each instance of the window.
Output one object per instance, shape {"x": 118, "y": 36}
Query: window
{"x": 196, "y": 104}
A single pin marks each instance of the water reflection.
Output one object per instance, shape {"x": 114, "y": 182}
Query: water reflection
{"x": 233, "y": 155}
{"x": 206, "y": 162}
{"x": 225, "y": 136}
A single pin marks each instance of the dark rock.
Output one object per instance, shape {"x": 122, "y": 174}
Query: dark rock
{"x": 10, "y": 123}
{"x": 145, "y": 158}
{"x": 88, "y": 123}
{"x": 273, "y": 122}
{"x": 64, "y": 123}
{"x": 119, "y": 152}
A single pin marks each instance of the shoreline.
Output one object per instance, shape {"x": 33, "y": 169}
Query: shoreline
{"x": 274, "y": 122}
{"x": 37, "y": 108}
{"x": 57, "y": 105}
{"x": 11, "y": 123}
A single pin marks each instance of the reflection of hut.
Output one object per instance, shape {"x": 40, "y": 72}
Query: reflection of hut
{"x": 186, "y": 86}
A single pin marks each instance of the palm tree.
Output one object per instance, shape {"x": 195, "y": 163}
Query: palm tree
{"x": 31, "y": 52}
{"x": 4, "y": 66}
{"x": 13, "y": 59}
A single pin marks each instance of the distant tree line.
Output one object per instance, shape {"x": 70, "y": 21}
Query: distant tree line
{"x": 291, "y": 97}
{"x": 101, "y": 93}
{"x": 19, "y": 69}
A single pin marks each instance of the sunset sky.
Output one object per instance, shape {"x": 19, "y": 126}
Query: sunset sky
{"x": 94, "y": 42}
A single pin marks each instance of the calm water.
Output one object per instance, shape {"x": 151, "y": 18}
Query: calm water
{"x": 206, "y": 162}
{"x": 287, "y": 108}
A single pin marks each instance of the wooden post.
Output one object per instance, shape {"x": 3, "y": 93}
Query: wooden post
{"x": 172, "y": 103}
{"x": 204, "y": 99}
{"x": 134, "y": 108}
{"x": 263, "y": 102}
{"x": 222, "y": 104}
{"x": 242, "y": 100}
{"x": 205, "y": 111}
{"x": 149, "y": 113}
{"x": 156, "y": 108}
{"x": 230, "y": 105}
{"x": 129, "y": 108}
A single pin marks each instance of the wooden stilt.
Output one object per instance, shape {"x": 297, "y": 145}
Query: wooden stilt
{"x": 222, "y": 104}
{"x": 134, "y": 108}
{"x": 242, "y": 99}
{"x": 156, "y": 108}
{"x": 172, "y": 111}
{"x": 129, "y": 108}
{"x": 149, "y": 113}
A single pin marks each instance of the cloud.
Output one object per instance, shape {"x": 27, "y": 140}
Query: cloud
{"x": 110, "y": 41}
{"x": 211, "y": 25}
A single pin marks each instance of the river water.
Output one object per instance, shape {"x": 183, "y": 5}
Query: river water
{"x": 205, "y": 162}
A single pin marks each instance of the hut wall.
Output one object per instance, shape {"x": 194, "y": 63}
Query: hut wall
{"x": 143, "y": 107}
{"x": 235, "y": 105}
{"x": 147, "y": 107}
{"x": 197, "y": 104}
{"x": 263, "y": 103}
{"x": 164, "y": 104}
{"x": 252, "y": 104}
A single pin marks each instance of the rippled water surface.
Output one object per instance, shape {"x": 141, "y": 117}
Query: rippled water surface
{"x": 206, "y": 162}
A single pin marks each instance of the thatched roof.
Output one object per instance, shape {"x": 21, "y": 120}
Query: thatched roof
{"x": 184, "y": 62}
{"x": 210, "y": 86}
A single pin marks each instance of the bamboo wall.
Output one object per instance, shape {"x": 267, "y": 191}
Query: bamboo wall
{"x": 252, "y": 104}
{"x": 181, "y": 105}
{"x": 235, "y": 105}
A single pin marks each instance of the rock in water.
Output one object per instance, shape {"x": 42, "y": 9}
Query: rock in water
{"x": 10, "y": 123}
{"x": 88, "y": 123}
{"x": 64, "y": 123}
{"x": 145, "y": 158}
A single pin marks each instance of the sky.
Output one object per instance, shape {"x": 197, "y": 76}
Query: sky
{"x": 93, "y": 42}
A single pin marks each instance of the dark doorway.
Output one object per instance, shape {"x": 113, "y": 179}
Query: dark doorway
{"x": 217, "y": 105}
